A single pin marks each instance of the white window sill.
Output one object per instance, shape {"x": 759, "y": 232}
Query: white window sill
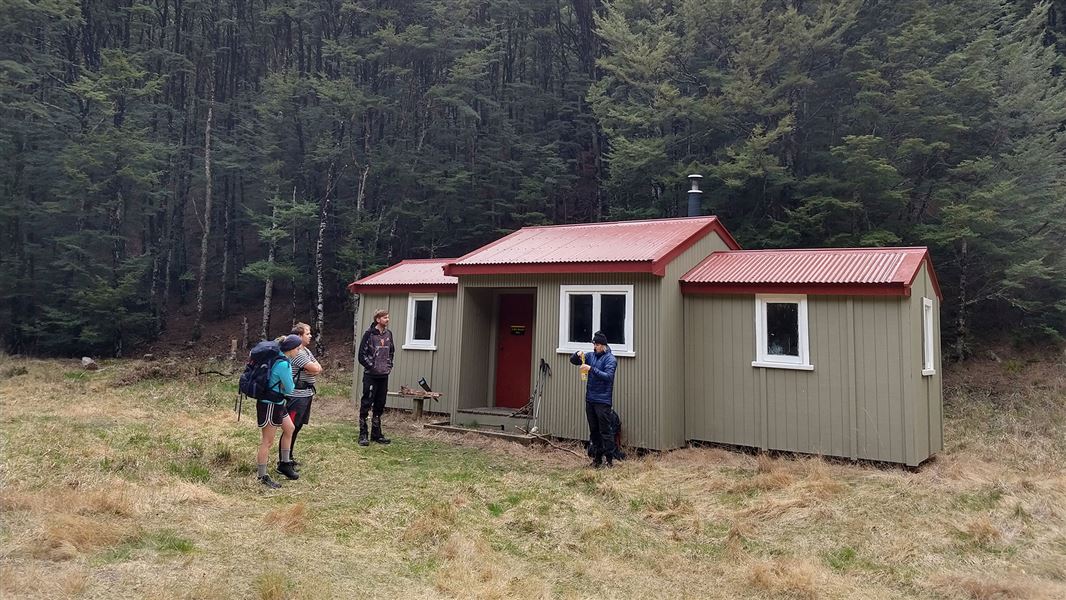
{"x": 776, "y": 365}
{"x": 626, "y": 353}
{"x": 928, "y": 372}
{"x": 417, "y": 347}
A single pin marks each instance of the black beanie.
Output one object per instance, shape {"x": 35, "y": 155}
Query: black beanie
{"x": 599, "y": 338}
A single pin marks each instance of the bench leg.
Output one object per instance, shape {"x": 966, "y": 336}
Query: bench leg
{"x": 418, "y": 408}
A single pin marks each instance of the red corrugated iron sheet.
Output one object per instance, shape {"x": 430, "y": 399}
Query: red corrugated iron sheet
{"x": 625, "y": 246}
{"x": 412, "y": 275}
{"x": 846, "y": 271}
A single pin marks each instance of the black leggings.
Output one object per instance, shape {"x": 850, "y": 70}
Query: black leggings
{"x": 300, "y": 413}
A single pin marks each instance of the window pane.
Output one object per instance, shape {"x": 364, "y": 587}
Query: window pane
{"x": 613, "y": 317}
{"x": 581, "y": 318}
{"x": 423, "y": 319}
{"x": 782, "y": 328}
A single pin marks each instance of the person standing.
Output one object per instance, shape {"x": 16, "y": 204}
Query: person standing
{"x": 271, "y": 414}
{"x": 305, "y": 369}
{"x": 599, "y": 367}
{"x": 376, "y": 352}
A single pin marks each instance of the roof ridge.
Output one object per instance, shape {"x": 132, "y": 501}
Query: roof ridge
{"x": 635, "y": 221}
{"x": 861, "y": 249}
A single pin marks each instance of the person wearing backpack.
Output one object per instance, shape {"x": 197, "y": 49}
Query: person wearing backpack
{"x": 376, "y": 351}
{"x": 270, "y": 403}
{"x": 305, "y": 369}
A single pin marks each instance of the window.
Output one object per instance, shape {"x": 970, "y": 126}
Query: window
{"x": 928, "y": 364}
{"x": 585, "y": 309}
{"x": 421, "y": 322}
{"x": 781, "y": 333}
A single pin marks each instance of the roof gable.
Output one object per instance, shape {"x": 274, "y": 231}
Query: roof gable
{"x": 614, "y": 247}
{"x": 838, "y": 271}
{"x": 411, "y": 275}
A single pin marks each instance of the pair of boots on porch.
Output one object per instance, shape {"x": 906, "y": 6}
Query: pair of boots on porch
{"x": 375, "y": 432}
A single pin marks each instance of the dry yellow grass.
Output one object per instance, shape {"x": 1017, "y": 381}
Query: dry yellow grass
{"x": 787, "y": 578}
{"x": 117, "y": 492}
{"x": 292, "y": 519}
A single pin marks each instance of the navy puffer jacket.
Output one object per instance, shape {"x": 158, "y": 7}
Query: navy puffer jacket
{"x": 600, "y": 389}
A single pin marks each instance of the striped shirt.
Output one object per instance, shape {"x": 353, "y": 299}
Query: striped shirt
{"x": 298, "y": 362}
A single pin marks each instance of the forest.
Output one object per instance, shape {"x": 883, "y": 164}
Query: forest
{"x": 186, "y": 157}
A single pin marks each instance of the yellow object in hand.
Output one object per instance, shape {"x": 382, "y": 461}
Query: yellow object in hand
{"x": 584, "y": 373}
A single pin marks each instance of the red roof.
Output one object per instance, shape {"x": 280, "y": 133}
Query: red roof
{"x": 838, "y": 271}
{"x": 411, "y": 275}
{"x": 618, "y": 247}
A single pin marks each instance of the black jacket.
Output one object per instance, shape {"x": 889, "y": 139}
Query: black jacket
{"x": 376, "y": 351}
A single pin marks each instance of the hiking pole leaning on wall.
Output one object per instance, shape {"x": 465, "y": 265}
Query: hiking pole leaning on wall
{"x": 538, "y": 395}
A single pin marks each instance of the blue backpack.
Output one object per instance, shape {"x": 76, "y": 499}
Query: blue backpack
{"x": 255, "y": 380}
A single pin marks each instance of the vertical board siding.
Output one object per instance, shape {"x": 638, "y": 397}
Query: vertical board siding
{"x": 925, "y": 414}
{"x": 411, "y": 365}
{"x": 856, "y": 397}
{"x": 674, "y": 334}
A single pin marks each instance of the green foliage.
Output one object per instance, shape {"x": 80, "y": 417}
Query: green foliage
{"x": 426, "y": 128}
{"x": 855, "y": 124}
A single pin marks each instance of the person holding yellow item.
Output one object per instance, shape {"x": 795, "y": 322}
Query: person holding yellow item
{"x": 599, "y": 367}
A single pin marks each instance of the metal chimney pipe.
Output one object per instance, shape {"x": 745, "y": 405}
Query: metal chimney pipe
{"x": 694, "y": 194}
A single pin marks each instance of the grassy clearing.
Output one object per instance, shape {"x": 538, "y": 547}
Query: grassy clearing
{"x": 132, "y": 482}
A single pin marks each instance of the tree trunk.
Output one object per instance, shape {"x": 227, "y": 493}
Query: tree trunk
{"x": 960, "y": 321}
{"x": 226, "y": 234}
{"x": 356, "y": 302}
{"x": 323, "y": 219}
{"x": 292, "y": 281}
{"x": 268, "y": 288}
{"x": 207, "y": 209}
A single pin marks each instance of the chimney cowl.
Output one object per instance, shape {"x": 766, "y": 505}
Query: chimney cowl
{"x": 694, "y": 194}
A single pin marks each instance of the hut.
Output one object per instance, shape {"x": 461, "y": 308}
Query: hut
{"x": 828, "y": 351}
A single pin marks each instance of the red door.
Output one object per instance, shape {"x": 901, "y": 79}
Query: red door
{"x": 514, "y": 350}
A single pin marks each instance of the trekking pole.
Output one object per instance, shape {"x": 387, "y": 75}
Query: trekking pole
{"x": 545, "y": 372}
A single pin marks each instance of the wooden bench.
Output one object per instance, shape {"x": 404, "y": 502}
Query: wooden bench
{"x": 418, "y": 397}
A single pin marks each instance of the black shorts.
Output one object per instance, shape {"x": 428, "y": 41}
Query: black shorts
{"x": 299, "y": 409}
{"x": 270, "y": 413}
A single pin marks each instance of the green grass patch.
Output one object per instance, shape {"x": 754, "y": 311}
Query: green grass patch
{"x": 982, "y": 500}
{"x": 164, "y": 543}
{"x": 841, "y": 559}
{"x": 190, "y": 471}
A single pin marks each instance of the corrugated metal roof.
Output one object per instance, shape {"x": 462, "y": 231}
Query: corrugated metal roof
{"x": 823, "y": 270}
{"x": 413, "y": 274}
{"x": 637, "y": 246}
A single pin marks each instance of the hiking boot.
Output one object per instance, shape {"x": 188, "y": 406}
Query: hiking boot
{"x": 270, "y": 483}
{"x": 363, "y": 439}
{"x": 286, "y": 469}
{"x": 376, "y": 435}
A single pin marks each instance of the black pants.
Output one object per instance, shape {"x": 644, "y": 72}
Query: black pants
{"x": 601, "y": 432}
{"x": 374, "y": 389}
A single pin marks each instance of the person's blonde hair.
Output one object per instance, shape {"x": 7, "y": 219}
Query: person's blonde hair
{"x": 381, "y": 312}
{"x": 300, "y": 328}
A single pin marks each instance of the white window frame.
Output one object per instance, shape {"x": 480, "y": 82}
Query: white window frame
{"x": 411, "y": 343}
{"x": 781, "y": 361}
{"x": 568, "y": 347}
{"x": 928, "y": 347}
